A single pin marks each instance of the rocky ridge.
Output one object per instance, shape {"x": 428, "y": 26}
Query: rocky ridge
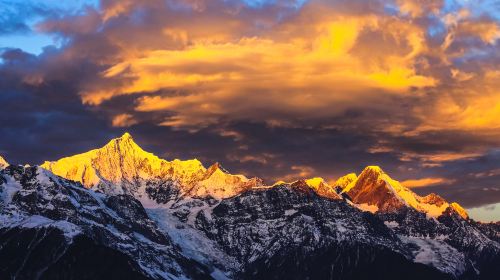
{"x": 206, "y": 223}
{"x": 121, "y": 166}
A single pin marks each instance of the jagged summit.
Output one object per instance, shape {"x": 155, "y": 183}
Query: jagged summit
{"x": 369, "y": 173}
{"x": 375, "y": 169}
{"x": 236, "y": 237}
{"x": 122, "y": 166}
{"x": 219, "y": 184}
{"x": 126, "y": 136}
{"x": 376, "y": 190}
{"x": 126, "y": 146}
{"x": 120, "y": 160}
{"x": 3, "y": 162}
{"x": 317, "y": 184}
{"x": 215, "y": 168}
{"x": 344, "y": 181}
{"x": 459, "y": 210}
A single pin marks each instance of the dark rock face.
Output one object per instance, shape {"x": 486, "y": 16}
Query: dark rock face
{"x": 345, "y": 261}
{"x": 135, "y": 217}
{"x": 26, "y": 253}
{"x": 285, "y": 234}
{"x": 104, "y": 263}
{"x": 292, "y": 233}
{"x": 162, "y": 192}
{"x": 44, "y": 253}
{"x": 480, "y": 253}
{"x": 52, "y": 228}
{"x": 492, "y": 230}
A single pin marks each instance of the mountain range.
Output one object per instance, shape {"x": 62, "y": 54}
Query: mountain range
{"x": 119, "y": 212}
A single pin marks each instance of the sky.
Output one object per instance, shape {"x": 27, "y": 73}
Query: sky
{"x": 279, "y": 89}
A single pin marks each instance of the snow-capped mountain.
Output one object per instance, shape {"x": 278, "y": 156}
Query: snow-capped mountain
{"x": 290, "y": 232}
{"x": 344, "y": 181}
{"x": 375, "y": 190}
{"x": 49, "y": 225}
{"x": 121, "y": 166}
{"x": 179, "y": 220}
{"x": 318, "y": 185}
{"x": 3, "y": 163}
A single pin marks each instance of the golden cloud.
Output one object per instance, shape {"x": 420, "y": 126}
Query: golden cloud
{"x": 473, "y": 104}
{"x": 426, "y": 182}
{"x": 299, "y": 172}
{"x": 124, "y": 120}
{"x": 221, "y": 62}
{"x": 308, "y": 75}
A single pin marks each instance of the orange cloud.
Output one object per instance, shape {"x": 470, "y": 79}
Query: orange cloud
{"x": 426, "y": 182}
{"x": 200, "y": 64}
{"x": 262, "y": 159}
{"x": 302, "y": 75}
{"x": 123, "y": 120}
{"x": 299, "y": 172}
{"x": 488, "y": 31}
{"x": 442, "y": 157}
{"x": 473, "y": 105}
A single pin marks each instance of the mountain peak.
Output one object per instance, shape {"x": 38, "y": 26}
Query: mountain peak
{"x": 121, "y": 166}
{"x": 219, "y": 183}
{"x": 123, "y": 143}
{"x": 315, "y": 182}
{"x": 375, "y": 188}
{"x": 3, "y": 162}
{"x": 460, "y": 210}
{"x": 368, "y": 176}
{"x": 344, "y": 181}
{"x": 120, "y": 161}
{"x": 372, "y": 169}
{"x": 320, "y": 186}
{"x": 216, "y": 167}
{"x": 126, "y": 136}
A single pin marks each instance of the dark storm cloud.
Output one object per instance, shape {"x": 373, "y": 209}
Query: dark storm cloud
{"x": 42, "y": 119}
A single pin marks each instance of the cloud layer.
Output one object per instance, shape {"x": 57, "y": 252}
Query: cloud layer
{"x": 279, "y": 89}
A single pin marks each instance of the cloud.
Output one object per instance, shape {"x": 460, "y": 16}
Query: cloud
{"x": 426, "y": 182}
{"x": 124, "y": 120}
{"x": 229, "y": 80}
{"x": 17, "y": 17}
{"x": 279, "y": 89}
{"x": 298, "y": 172}
{"x": 314, "y": 69}
{"x": 419, "y": 8}
{"x": 250, "y": 158}
{"x": 311, "y": 63}
{"x": 489, "y": 173}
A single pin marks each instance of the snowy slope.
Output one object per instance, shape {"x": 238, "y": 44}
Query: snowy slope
{"x": 121, "y": 166}
{"x": 3, "y": 163}
{"x": 33, "y": 198}
{"x": 230, "y": 226}
{"x": 375, "y": 188}
{"x": 344, "y": 181}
